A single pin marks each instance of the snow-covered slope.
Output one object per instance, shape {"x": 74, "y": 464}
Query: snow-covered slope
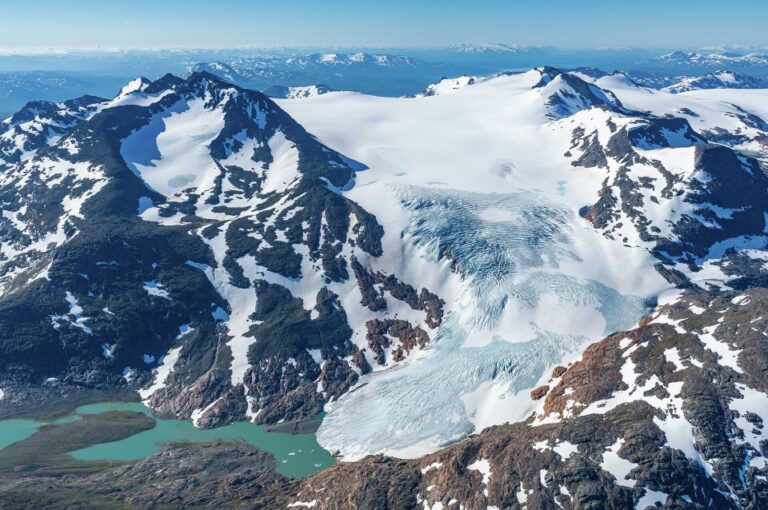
{"x": 734, "y": 117}
{"x": 476, "y": 179}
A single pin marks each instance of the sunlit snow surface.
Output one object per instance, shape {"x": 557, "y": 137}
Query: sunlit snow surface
{"x": 476, "y": 181}
{"x": 510, "y": 262}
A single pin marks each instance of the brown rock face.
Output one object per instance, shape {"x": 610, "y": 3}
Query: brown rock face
{"x": 539, "y": 392}
{"x": 558, "y": 371}
{"x": 593, "y": 378}
{"x": 373, "y": 483}
{"x": 215, "y": 475}
{"x": 373, "y": 297}
{"x": 360, "y": 362}
{"x": 380, "y": 331}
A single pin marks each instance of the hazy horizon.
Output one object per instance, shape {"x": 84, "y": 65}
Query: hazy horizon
{"x": 88, "y": 25}
{"x": 46, "y": 51}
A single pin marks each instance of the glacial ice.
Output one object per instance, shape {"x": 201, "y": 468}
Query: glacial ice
{"x": 507, "y": 327}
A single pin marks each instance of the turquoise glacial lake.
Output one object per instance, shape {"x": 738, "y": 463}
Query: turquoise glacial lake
{"x": 296, "y": 455}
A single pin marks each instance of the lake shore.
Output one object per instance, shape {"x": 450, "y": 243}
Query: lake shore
{"x": 293, "y": 445}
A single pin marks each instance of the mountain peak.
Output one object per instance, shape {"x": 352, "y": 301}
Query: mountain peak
{"x": 136, "y": 85}
{"x": 169, "y": 160}
{"x": 567, "y": 93}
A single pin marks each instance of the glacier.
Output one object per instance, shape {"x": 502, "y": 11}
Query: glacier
{"x": 507, "y": 328}
{"x": 484, "y": 212}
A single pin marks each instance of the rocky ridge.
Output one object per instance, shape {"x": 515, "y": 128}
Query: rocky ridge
{"x": 130, "y": 298}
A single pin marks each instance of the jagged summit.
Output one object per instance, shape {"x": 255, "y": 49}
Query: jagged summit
{"x": 567, "y": 93}
{"x": 38, "y": 124}
{"x": 136, "y": 85}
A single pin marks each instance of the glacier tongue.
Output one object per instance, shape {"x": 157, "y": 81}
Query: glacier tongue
{"x": 503, "y": 333}
{"x": 410, "y": 410}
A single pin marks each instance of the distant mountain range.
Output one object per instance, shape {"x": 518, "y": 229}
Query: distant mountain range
{"x": 380, "y": 73}
{"x": 17, "y": 88}
{"x": 755, "y": 62}
{"x": 719, "y": 80}
{"x": 386, "y": 72}
{"x": 498, "y": 48}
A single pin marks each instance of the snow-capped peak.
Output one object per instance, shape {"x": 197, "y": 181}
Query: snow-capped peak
{"x": 449, "y": 85}
{"x": 567, "y": 93}
{"x": 136, "y": 85}
{"x": 557, "y": 92}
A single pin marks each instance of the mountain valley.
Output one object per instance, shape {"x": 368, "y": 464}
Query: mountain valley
{"x": 538, "y": 289}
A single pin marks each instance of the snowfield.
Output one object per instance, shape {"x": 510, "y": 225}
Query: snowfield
{"x": 481, "y": 171}
{"x": 173, "y": 167}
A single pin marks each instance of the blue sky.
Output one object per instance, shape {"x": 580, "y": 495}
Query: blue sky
{"x": 425, "y": 23}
